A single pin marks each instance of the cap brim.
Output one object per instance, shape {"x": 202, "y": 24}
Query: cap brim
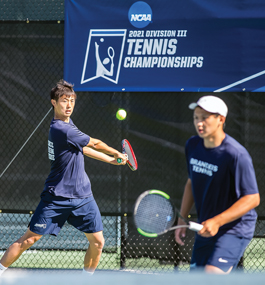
{"x": 192, "y": 106}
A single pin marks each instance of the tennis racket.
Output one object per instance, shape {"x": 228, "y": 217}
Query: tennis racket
{"x": 128, "y": 151}
{"x": 155, "y": 214}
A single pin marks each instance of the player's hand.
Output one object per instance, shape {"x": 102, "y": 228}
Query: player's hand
{"x": 210, "y": 228}
{"x": 180, "y": 233}
{"x": 120, "y": 156}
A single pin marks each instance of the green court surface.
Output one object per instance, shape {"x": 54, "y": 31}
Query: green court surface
{"x": 254, "y": 261}
{"x": 74, "y": 260}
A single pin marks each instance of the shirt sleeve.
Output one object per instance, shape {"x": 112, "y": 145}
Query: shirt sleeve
{"x": 245, "y": 178}
{"x": 76, "y": 138}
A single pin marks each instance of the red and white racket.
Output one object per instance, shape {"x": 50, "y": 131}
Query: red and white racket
{"x": 127, "y": 149}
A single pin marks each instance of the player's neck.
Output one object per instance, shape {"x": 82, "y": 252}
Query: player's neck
{"x": 62, "y": 118}
{"x": 214, "y": 140}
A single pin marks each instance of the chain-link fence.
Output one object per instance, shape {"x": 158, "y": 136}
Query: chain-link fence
{"x": 158, "y": 125}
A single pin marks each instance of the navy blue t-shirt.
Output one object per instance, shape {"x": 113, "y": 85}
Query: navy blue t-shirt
{"x": 220, "y": 176}
{"x": 67, "y": 177}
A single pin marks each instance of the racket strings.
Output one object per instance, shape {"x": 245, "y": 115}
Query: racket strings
{"x": 131, "y": 157}
{"x": 155, "y": 214}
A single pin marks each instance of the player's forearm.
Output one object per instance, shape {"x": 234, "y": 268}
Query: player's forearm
{"x": 238, "y": 209}
{"x": 100, "y": 146}
{"x": 89, "y": 152}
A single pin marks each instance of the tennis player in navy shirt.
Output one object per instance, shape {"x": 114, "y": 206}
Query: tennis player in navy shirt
{"x": 222, "y": 186}
{"x": 67, "y": 194}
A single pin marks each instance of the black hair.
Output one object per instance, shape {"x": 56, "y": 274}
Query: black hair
{"x": 62, "y": 88}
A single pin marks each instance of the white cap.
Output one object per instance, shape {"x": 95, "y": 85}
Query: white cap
{"x": 211, "y": 104}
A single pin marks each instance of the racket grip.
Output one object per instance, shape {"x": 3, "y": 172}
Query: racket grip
{"x": 119, "y": 160}
{"x": 195, "y": 226}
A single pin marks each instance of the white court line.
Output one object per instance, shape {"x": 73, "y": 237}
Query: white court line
{"x": 240, "y": 81}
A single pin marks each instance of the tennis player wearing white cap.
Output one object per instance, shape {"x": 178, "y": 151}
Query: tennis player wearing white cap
{"x": 223, "y": 187}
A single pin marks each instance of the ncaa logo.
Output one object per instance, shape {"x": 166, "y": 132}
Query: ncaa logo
{"x": 140, "y": 14}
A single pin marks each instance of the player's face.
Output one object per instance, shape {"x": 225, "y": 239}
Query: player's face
{"x": 207, "y": 124}
{"x": 64, "y": 107}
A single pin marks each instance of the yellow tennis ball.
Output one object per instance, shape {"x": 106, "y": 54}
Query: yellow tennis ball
{"x": 121, "y": 114}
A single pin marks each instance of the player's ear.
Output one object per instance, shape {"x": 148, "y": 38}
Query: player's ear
{"x": 53, "y": 102}
{"x": 222, "y": 120}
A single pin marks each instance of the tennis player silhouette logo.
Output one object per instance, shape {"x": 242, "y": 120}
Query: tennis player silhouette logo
{"x": 101, "y": 69}
{"x": 103, "y": 56}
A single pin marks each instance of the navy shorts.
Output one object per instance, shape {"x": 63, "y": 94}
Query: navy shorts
{"x": 222, "y": 251}
{"x": 52, "y": 212}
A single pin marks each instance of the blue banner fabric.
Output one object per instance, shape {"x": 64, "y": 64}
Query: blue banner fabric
{"x": 183, "y": 45}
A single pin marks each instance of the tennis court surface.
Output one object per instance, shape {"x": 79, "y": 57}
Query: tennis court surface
{"x": 50, "y": 277}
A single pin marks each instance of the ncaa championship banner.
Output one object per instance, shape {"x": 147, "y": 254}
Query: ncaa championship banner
{"x": 154, "y": 45}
